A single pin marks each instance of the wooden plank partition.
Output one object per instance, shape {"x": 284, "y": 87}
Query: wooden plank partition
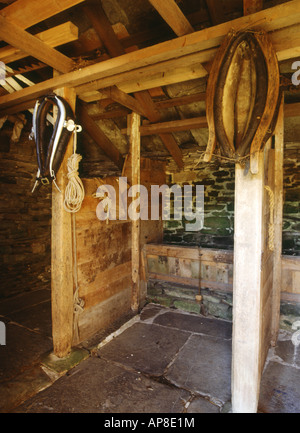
{"x": 104, "y": 254}
{"x": 191, "y": 266}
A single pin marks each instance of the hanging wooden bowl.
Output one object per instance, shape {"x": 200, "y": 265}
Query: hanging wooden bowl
{"x": 242, "y": 97}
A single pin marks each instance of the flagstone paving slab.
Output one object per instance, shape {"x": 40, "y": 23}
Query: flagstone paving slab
{"x": 204, "y": 366}
{"x": 280, "y": 389}
{"x": 99, "y": 386}
{"x": 195, "y": 324}
{"x": 146, "y": 348}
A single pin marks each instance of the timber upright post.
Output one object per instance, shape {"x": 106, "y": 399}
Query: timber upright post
{"x": 278, "y": 218}
{"x": 62, "y": 284}
{"x": 135, "y": 145}
{"x": 248, "y": 246}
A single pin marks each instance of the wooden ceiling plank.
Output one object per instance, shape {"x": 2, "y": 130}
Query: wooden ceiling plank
{"x": 54, "y": 37}
{"x": 33, "y": 46}
{"x": 172, "y": 14}
{"x": 283, "y": 15}
{"x": 26, "y": 13}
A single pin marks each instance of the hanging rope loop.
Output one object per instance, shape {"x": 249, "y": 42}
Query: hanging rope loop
{"x": 74, "y": 193}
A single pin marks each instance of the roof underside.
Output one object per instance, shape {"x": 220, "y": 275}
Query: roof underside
{"x": 169, "y": 91}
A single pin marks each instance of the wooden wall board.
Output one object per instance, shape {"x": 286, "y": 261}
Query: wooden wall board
{"x": 104, "y": 265}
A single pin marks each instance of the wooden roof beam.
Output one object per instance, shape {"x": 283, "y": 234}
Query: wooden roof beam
{"x": 26, "y": 13}
{"x": 123, "y": 99}
{"x": 172, "y": 14}
{"x": 54, "y": 37}
{"x": 252, "y": 6}
{"x": 33, "y": 46}
{"x": 216, "y": 11}
{"x": 172, "y": 126}
{"x": 168, "y": 103}
{"x": 103, "y": 28}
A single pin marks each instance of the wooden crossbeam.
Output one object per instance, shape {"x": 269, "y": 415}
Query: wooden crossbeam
{"x": 172, "y": 126}
{"x": 122, "y": 98}
{"x": 157, "y": 75}
{"x": 54, "y": 37}
{"x": 33, "y": 46}
{"x": 26, "y": 13}
{"x": 168, "y": 103}
{"x": 172, "y": 14}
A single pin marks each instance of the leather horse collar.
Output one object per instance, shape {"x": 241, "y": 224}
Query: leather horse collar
{"x": 51, "y": 140}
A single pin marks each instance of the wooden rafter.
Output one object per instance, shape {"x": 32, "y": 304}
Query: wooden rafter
{"x": 98, "y": 136}
{"x": 103, "y": 28}
{"x": 122, "y": 98}
{"x": 172, "y": 14}
{"x": 252, "y": 6}
{"x": 54, "y": 37}
{"x": 115, "y": 49}
{"x": 26, "y": 13}
{"x": 33, "y": 46}
{"x": 216, "y": 11}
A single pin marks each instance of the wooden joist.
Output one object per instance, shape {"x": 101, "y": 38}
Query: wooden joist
{"x": 172, "y": 14}
{"x": 173, "y": 102}
{"x": 32, "y": 46}
{"x": 216, "y": 11}
{"x": 123, "y": 99}
{"x": 54, "y": 37}
{"x": 157, "y": 75}
{"x": 172, "y": 126}
{"x": 26, "y": 13}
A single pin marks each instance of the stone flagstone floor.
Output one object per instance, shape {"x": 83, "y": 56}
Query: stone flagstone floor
{"x": 164, "y": 361}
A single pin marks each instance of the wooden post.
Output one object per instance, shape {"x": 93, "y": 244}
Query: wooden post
{"x": 246, "y": 288}
{"x": 134, "y": 126}
{"x": 278, "y": 214}
{"x": 61, "y": 255}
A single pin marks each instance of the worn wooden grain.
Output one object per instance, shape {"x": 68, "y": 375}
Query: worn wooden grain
{"x": 62, "y": 284}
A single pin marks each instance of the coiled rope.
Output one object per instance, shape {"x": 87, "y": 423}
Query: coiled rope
{"x": 74, "y": 193}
